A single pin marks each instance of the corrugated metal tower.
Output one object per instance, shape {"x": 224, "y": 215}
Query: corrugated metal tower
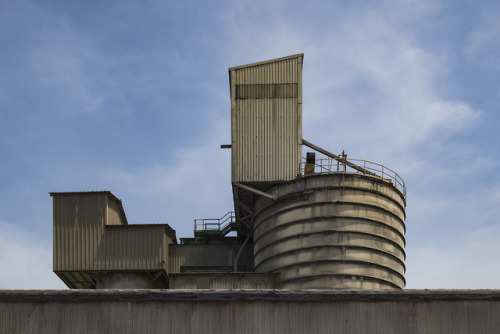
{"x": 266, "y": 129}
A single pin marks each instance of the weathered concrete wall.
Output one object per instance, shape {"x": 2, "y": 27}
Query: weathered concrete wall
{"x": 245, "y": 311}
{"x": 335, "y": 231}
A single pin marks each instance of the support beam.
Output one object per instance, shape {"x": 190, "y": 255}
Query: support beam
{"x": 246, "y": 208}
{"x": 157, "y": 275}
{"x": 235, "y": 263}
{"x": 258, "y": 192}
{"x": 246, "y": 218}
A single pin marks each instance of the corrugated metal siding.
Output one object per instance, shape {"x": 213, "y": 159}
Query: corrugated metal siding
{"x": 83, "y": 242}
{"x": 266, "y": 91}
{"x": 266, "y": 121}
{"x": 207, "y": 256}
{"x": 133, "y": 247}
{"x": 78, "y": 227}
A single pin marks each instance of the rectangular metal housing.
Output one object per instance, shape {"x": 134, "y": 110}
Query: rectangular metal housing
{"x": 208, "y": 258}
{"x": 266, "y": 120}
{"x": 92, "y": 236}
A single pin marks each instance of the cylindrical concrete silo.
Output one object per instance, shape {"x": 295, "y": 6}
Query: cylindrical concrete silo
{"x": 339, "y": 230}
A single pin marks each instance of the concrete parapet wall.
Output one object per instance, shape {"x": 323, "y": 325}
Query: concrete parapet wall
{"x": 257, "y": 311}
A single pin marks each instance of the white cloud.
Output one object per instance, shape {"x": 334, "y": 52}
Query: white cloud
{"x": 469, "y": 262}
{"x": 452, "y": 237}
{"x": 388, "y": 99}
{"x": 369, "y": 86}
{"x": 26, "y": 261}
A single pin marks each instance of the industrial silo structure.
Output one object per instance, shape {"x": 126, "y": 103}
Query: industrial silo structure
{"x": 332, "y": 230}
{"x": 298, "y": 222}
{"x": 331, "y": 223}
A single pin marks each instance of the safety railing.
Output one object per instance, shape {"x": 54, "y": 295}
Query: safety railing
{"x": 223, "y": 225}
{"x": 332, "y": 166}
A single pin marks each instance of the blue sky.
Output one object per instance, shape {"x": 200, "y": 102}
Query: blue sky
{"x": 133, "y": 97}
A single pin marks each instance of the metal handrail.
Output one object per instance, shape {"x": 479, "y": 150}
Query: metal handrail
{"x": 373, "y": 169}
{"x": 215, "y": 224}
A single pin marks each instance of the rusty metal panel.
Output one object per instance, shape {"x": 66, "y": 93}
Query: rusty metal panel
{"x": 266, "y": 121}
{"x": 192, "y": 258}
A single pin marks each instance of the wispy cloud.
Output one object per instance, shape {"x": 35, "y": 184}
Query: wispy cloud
{"x": 26, "y": 261}
{"x": 194, "y": 183}
{"x": 368, "y": 83}
{"x": 389, "y": 99}
{"x": 467, "y": 262}
{"x": 55, "y": 62}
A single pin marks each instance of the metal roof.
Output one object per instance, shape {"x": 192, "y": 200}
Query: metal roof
{"x": 104, "y": 192}
{"x": 52, "y": 193}
{"x": 169, "y": 229}
{"x": 275, "y": 60}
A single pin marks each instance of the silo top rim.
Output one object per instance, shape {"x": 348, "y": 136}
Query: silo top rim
{"x": 299, "y": 55}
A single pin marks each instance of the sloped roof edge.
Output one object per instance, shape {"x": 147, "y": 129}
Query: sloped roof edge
{"x": 104, "y": 192}
{"x": 52, "y": 193}
{"x": 299, "y": 55}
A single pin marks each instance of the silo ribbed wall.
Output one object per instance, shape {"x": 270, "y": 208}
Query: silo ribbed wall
{"x": 332, "y": 231}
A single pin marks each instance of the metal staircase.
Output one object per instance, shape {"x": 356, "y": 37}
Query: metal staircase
{"x": 215, "y": 227}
